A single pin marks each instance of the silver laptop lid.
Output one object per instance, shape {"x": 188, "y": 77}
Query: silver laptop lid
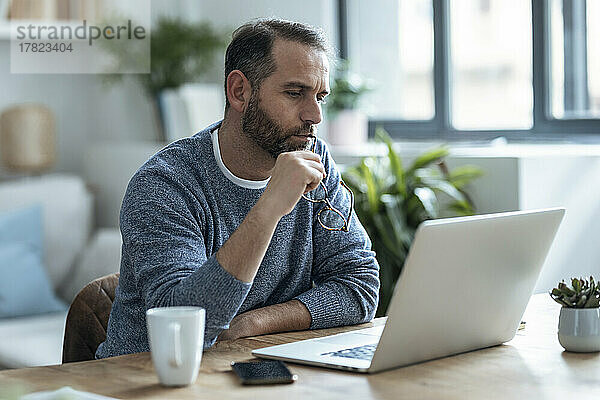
{"x": 465, "y": 285}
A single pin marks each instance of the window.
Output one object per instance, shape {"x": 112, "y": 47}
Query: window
{"x": 402, "y": 81}
{"x": 491, "y": 64}
{"x": 478, "y": 69}
{"x": 575, "y": 58}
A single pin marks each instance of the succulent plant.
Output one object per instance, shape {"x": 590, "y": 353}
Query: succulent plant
{"x": 581, "y": 294}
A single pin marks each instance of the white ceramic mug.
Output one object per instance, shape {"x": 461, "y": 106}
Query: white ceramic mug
{"x": 176, "y": 336}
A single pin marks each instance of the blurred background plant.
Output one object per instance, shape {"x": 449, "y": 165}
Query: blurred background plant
{"x": 347, "y": 123}
{"x": 180, "y": 52}
{"x": 581, "y": 294}
{"x": 346, "y": 90}
{"x": 392, "y": 200}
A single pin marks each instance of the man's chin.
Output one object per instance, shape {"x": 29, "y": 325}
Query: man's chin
{"x": 300, "y": 142}
{"x": 298, "y": 147}
{"x": 290, "y": 143}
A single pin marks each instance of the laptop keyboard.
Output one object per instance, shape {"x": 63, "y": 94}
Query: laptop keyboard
{"x": 361, "y": 352}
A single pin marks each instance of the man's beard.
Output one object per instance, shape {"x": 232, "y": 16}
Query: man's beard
{"x": 268, "y": 134}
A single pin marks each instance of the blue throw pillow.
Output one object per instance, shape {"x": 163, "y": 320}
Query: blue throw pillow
{"x": 24, "y": 285}
{"x": 23, "y": 225}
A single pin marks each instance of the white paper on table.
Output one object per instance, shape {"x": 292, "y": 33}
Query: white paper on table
{"x": 64, "y": 393}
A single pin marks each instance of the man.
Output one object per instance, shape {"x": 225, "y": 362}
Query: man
{"x": 219, "y": 220}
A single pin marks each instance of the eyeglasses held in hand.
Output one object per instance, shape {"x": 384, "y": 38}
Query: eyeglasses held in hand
{"x": 330, "y": 217}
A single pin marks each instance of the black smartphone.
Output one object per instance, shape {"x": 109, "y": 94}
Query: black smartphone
{"x": 263, "y": 372}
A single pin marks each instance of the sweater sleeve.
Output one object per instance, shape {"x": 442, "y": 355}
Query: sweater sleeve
{"x": 162, "y": 229}
{"x": 345, "y": 272}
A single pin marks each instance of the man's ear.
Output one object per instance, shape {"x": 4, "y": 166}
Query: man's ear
{"x": 239, "y": 90}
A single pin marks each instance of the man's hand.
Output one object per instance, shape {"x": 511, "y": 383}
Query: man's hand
{"x": 295, "y": 173}
{"x": 288, "y": 316}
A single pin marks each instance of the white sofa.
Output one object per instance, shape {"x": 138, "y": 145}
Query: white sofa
{"x": 74, "y": 256}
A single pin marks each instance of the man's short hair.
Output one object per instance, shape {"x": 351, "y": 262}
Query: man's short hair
{"x": 250, "y": 50}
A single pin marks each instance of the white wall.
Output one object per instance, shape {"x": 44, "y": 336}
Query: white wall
{"x": 232, "y": 13}
{"x": 108, "y": 169}
{"x": 570, "y": 181}
{"x": 85, "y": 109}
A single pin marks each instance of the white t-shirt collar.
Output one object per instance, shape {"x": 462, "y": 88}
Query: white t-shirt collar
{"x": 245, "y": 183}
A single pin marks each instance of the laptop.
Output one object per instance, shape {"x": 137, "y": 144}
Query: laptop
{"x": 464, "y": 286}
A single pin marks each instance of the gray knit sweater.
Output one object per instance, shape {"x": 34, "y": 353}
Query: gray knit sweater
{"x": 180, "y": 208}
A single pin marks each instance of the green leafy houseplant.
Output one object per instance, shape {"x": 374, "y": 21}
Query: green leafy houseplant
{"x": 180, "y": 52}
{"x": 581, "y": 294}
{"x": 391, "y": 201}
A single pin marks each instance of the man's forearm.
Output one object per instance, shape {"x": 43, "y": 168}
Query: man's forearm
{"x": 294, "y": 173}
{"x": 243, "y": 252}
{"x": 289, "y": 316}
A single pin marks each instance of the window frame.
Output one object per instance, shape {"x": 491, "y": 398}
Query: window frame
{"x": 544, "y": 128}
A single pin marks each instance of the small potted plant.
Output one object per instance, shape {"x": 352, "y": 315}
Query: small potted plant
{"x": 579, "y": 320}
{"x": 348, "y": 125}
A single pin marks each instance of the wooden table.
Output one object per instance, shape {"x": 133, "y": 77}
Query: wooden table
{"x": 532, "y": 366}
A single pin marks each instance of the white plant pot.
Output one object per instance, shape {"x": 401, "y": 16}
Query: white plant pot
{"x": 348, "y": 128}
{"x": 579, "y": 329}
